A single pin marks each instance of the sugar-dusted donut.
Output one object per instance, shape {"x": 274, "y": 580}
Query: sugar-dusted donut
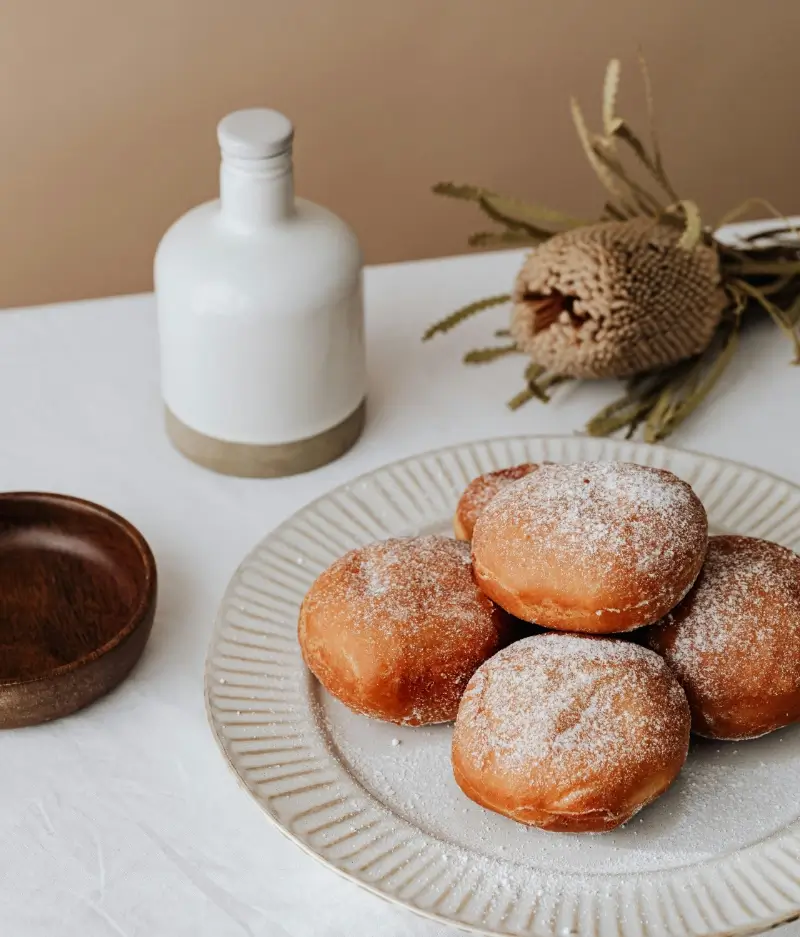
{"x": 597, "y": 547}
{"x": 734, "y": 641}
{"x": 480, "y": 491}
{"x": 396, "y": 629}
{"x": 569, "y": 732}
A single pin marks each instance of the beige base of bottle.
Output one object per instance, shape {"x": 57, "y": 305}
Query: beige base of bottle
{"x": 253, "y": 461}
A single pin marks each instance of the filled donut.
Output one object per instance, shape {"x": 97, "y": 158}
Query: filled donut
{"x": 734, "y": 641}
{"x": 396, "y": 629}
{"x": 596, "y": 547}
{"x": 570, "y": 733}
{"x": 480, "y": 491}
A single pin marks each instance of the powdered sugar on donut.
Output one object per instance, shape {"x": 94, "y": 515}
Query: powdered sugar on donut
{"x": 488, "y": 486}
{"x": 404, "y": 575}
{"x": 736, "y": 636}
{"x": 599, "y": 509}
{"x": 395, "y": 629}
{"x": 578, "y": 708}
{"x": 739, "y": 572}
{"x": 484, "y": 488}
{"x": 599, "y": 530}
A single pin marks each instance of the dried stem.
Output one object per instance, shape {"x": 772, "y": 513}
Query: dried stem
{"x": 484, "y": 355}
{"x": 466, "y": 312}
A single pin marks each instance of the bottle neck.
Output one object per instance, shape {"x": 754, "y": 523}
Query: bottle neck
{"x": 256, "y": 193}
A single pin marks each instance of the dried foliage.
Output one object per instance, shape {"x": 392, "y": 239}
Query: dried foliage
{"x": 758, "y": 275}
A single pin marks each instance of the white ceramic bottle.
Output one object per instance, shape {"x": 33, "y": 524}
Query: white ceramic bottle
{"x": 260, "y": 316}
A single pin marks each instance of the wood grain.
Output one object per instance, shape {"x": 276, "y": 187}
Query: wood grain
{"x": 77, "y": 601}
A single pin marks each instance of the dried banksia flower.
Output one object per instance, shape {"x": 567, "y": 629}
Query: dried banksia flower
{"x": 616, "y": 299}
{"x": 648, "y": 292}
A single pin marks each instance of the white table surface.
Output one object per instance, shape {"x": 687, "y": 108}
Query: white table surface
{"x": 124, "y": 820}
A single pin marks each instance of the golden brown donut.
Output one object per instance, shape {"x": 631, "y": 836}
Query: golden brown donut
{"x": 570, "y": 733}
{"x": 596, "y": 547}
{"x": 480, "y": 491}
{"x": 396, "y": 629}
{"x": 734, "y": 641}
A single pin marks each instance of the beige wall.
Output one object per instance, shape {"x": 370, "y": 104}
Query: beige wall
{"x": 109, "y": 109}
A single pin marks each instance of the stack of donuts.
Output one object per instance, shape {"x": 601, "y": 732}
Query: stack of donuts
{"x": 578, "y": 628}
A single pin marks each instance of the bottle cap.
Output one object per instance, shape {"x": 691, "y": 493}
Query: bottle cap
{"x": 255, "y": 133}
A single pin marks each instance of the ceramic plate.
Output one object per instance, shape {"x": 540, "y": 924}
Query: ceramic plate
{"x": 718, "y": 854}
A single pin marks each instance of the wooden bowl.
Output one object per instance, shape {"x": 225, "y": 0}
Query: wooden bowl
{"x": 77, "y": 601}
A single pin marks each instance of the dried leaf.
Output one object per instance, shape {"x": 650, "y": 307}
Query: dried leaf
{"x": 519, "y": 399}
{"x": 538, "y": 215}
{"x": 610, "y": 89}
{"x": 694, "y": 226}
{"x": 648, "y": 96}
{"x": 778, "y": 315}
{"x": 505, "y": 238}
{"x": 468, "y": 193}
{"x": 533, "y": 371}
{"x": 612, "y": 212}
{"x": 792, "y": 312}
{"x": 683, "y": 399}
{"x": 538, "y": 393}
{"x": 457, "y": 317}
{"x": 506, "y": 209}
{"x": 602, "y": 172}
{"x": 552, "y": 380}
{"x": 642, "y": 392}
{"x": 492, "y": 208}
{"x": 782, "y": 292}
{"x": 658, "y": 413}
{"x": 491, "y": 204}
{"x": 636, "y": 421}
{"x": 484, "y": 355}
{"x": 658, "y": 163}
{"x": 623, "y": 132}
{"x": 624, "y": 411}
{"x": 646, "y": 202}
{"x": 738, "y": 302}
{"x": 538, "y": 385}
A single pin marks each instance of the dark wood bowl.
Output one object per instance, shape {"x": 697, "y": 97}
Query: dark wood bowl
{"x": 77, "y": 601}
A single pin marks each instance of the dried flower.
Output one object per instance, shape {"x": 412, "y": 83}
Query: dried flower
{"x": 647, "y": 292}
{"x": 616, "y": 299}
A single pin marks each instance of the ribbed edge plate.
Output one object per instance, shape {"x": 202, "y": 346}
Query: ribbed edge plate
{"x": 376, "y": 803}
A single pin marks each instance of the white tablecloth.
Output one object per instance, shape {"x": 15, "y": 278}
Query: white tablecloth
{"x": 124, "y": 819}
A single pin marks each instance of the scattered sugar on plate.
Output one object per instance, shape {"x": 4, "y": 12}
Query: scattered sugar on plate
{"x": 718, "y": 803}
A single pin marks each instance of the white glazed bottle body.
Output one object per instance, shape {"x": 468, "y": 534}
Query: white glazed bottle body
{"x": 260, "y": 311}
